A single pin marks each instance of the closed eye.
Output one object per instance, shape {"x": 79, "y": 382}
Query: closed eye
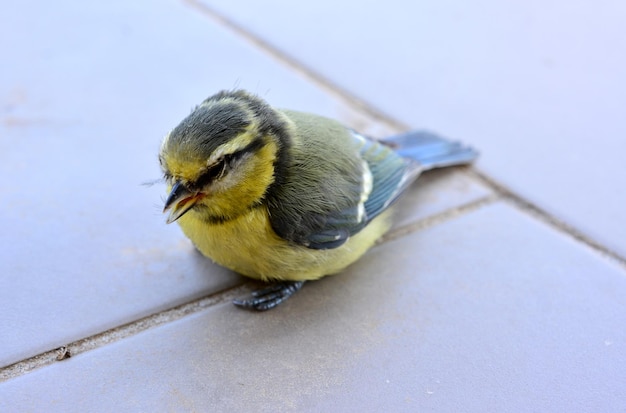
{"x": 225, "y": 164}
{"x": 215, "y": 171}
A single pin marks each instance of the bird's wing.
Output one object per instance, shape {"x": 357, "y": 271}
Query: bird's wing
{"x": 342, "y": 202}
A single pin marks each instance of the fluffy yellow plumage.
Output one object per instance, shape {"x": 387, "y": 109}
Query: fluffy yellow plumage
{"x": 281, "y": 195}
{"x": 249, "y": 246}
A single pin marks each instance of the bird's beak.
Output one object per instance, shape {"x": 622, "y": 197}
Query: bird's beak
{"x": 180, "y": 201}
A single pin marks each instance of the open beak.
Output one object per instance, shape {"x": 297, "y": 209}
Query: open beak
{"x": 180, "y": 200}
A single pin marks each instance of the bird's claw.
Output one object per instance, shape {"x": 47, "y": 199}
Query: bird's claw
{"x": 269, "y": 297}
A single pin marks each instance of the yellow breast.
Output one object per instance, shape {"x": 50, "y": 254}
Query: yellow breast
{"x": 249, "y": 246}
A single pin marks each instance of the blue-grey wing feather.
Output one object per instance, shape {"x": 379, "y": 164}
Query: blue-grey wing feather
{"x": 390, "y": 166}
{"x": 388, "y": 174}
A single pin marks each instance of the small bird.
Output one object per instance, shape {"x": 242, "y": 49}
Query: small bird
{"x": 284, "y": 196}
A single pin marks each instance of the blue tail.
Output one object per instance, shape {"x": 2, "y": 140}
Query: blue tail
{"x": 430, "y": 150}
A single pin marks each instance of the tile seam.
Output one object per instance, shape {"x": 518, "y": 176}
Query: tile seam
{"x": 299, "y": 67}
{"x": 120, "y": 332}
{"x": 440, "y": 217}
{"x": 541, "y": 215}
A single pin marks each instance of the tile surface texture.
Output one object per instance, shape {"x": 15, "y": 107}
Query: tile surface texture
{"x": 438, "y": 320}
{"x": 89, "y": 93}
{"x": 474, "y": 304}
{"x": 537, "y": 86}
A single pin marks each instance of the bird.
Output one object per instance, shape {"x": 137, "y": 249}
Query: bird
{"x": 287, "y": 197}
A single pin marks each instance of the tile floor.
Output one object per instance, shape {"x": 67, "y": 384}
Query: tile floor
{"x": 501, "y": 288}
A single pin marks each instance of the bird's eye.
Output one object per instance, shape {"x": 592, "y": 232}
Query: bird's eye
{"x": 226, "y": 163}
{"x": 214, "y": 172}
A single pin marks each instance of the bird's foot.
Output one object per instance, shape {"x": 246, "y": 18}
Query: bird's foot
{"x": 269, "y": 297}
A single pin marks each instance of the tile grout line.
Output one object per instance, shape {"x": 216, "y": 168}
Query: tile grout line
{"x": 120, "y": 332}
{"x": 299, "y": 67}
{"x": 547, "y": 218}
{"x": 380, "y": 116}
{"x": 439, "y": 218}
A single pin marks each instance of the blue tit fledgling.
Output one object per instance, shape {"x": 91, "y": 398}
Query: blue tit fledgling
{"x": 284, "y": 196}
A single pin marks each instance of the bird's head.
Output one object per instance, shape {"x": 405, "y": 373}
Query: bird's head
{"x": 221, "y": 159}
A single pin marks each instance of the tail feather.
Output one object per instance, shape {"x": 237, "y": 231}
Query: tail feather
{"x": 430, "y": 150}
